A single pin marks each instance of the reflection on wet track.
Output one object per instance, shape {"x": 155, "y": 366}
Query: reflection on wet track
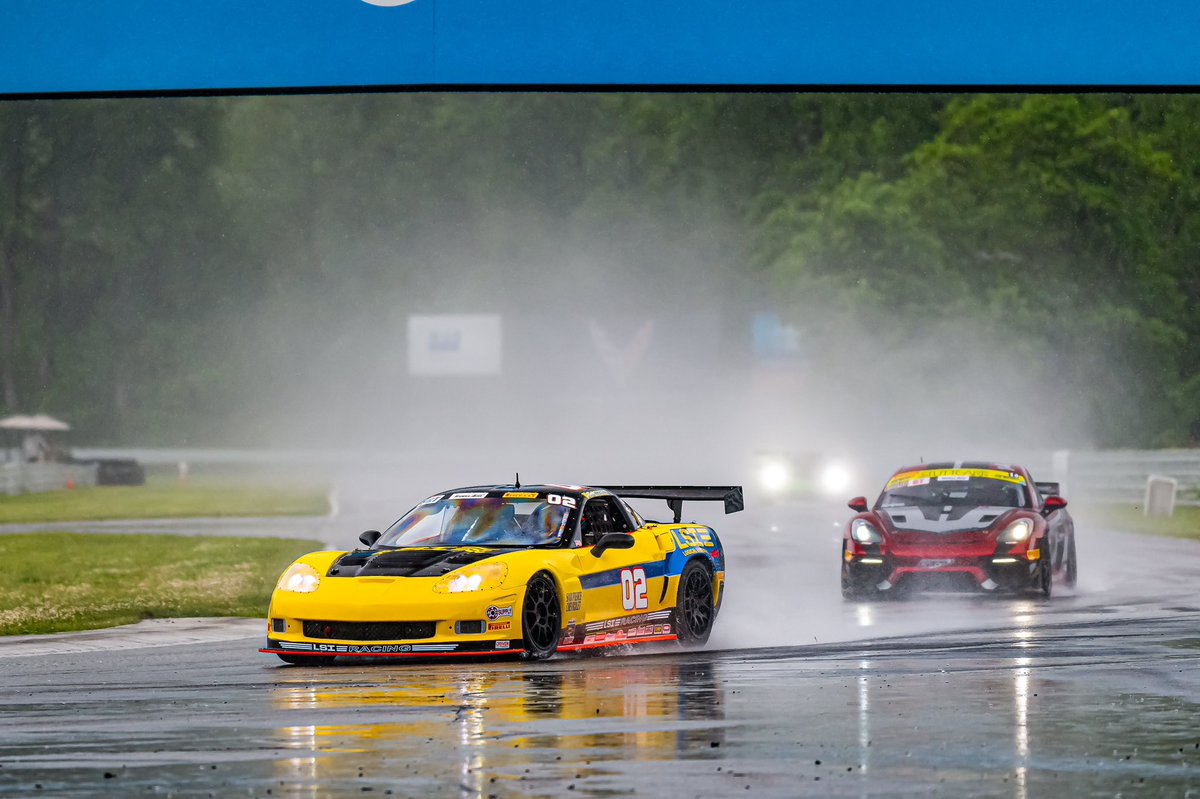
{"x": 1091, "y": 694}
{"x": 1099, "y": 707}
{"x": 499, "y": 725}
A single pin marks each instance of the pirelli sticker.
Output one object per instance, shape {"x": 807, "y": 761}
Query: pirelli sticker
{"x": 925, "y": 476}
{"x": 520, "y": 495}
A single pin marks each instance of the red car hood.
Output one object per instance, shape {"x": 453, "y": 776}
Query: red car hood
{"x": 948, "y": 520}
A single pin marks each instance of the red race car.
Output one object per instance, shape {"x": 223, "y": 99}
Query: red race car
{"x": 956, "y": 526}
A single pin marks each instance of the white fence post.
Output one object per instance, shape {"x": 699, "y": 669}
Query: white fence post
{"x": 1160, "y": 496}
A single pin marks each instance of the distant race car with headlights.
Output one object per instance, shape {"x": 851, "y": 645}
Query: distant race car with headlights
{"x": 785, "y": 476}
{"x": 508, "y": 570}
{"x": 981, "y": 526}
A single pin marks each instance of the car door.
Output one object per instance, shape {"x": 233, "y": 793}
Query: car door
{"x": 620, "y": 583}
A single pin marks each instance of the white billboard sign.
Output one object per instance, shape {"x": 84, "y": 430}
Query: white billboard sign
{"x": 454, "y": 345}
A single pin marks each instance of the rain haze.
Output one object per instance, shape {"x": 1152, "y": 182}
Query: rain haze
{"x": 632, "y": 327}
{"x": 454, "y": 289}
{"x": 337, "y": 306}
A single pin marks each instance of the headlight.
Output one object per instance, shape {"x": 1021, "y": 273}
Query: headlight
{"x": 835, "y": 479}
{"x": 1016, "y": 532}
{"x": 864, "y": 532}
{"x": 774, "y": 476}
{"x": 300, "y": 578}
{"x": 483, "y": 577}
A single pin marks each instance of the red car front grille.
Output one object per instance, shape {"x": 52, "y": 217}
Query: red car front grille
{"x": 955, "y": 545}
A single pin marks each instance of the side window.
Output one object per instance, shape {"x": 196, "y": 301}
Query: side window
{"x": 638, "y": 521}
{"x": 601, "y": 515}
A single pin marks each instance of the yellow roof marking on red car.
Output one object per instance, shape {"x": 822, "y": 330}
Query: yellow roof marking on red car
{"x": 905, "y": 478}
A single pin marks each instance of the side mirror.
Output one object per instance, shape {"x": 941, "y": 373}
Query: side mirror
{"x": 1051, "y": 504}
{"x": 858, "y": 504}
{"x": 612, "y": 541}
{"x": 370, "y": 537}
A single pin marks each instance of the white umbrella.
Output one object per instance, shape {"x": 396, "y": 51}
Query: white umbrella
{"x": 39, "y": 422}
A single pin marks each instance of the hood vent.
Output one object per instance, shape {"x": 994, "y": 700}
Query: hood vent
{"x": 940, "y": 520}
{"x": 404, "y": 562}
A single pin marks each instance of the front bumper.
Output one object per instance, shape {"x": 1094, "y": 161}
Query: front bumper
{"x": 392, "y": 650}
{"x": 385, "y": 617}
{"x": 990, "y": 573}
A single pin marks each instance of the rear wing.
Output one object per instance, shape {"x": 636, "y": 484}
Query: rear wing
{"x": 675, "y": 495}
{"x": 1048, "y": 489}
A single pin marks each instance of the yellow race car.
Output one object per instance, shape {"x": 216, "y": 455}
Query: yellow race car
{"x": 508, "y": 570}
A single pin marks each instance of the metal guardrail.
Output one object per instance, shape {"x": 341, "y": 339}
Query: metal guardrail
{"x": 1121, "y": 475}
{"x": 1096, "y": 475}
{"x": 33, "y": 478}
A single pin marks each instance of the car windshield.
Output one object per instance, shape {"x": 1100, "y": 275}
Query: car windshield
{"x": 956, "y": 487}
{"x": 475, "y": 519}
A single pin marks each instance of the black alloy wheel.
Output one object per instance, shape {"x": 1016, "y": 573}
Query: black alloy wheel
{"x": 541, "y": 618}
{"x": 694, "y": 611}
{"x": 1072, "y": 575}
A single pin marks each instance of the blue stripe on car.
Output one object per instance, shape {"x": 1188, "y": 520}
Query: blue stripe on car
{"x": 613, "y": 576}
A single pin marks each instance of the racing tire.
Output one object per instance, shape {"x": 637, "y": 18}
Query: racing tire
{"x": 541, "y": 618}
{"x": 849, "y": 589}
{"x": 1045, "y": 585}
{"x": 854, "y": 590}
{"x": 694, "y": 608}
{"x": 306, "y": 660}
{"x": 1072, "y": 571}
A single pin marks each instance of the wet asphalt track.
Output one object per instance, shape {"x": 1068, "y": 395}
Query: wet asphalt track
{"x": 1096, "y": 693}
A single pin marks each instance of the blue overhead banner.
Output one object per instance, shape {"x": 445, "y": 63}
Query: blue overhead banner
{"x": 113, "y": 46}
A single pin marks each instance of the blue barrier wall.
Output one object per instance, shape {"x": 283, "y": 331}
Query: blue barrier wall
{"x": 49, "y": 46}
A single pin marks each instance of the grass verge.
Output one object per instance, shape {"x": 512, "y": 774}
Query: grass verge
{"x": 57, "y": 582}
{"x": 1185, "y": 523}
{"x": 166, "y": 499}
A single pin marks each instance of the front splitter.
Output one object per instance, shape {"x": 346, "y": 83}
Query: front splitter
{"x": 466, "y": 648}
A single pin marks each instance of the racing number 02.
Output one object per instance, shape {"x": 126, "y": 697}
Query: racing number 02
{"x": 633, "y": 589}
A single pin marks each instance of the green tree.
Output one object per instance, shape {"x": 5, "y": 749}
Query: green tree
{"x": 1039, "y": 217}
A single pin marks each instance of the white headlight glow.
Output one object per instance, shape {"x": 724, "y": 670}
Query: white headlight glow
{"x": 1017, "y": 532}
{"x": 464, "y": 582}
{"x": 479, "y": 577}
{"x": 300, "y": 578}
{"x": 774, "y": 476}
{"x": 864, "y": 532}
{"x": 835, "y": 479}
